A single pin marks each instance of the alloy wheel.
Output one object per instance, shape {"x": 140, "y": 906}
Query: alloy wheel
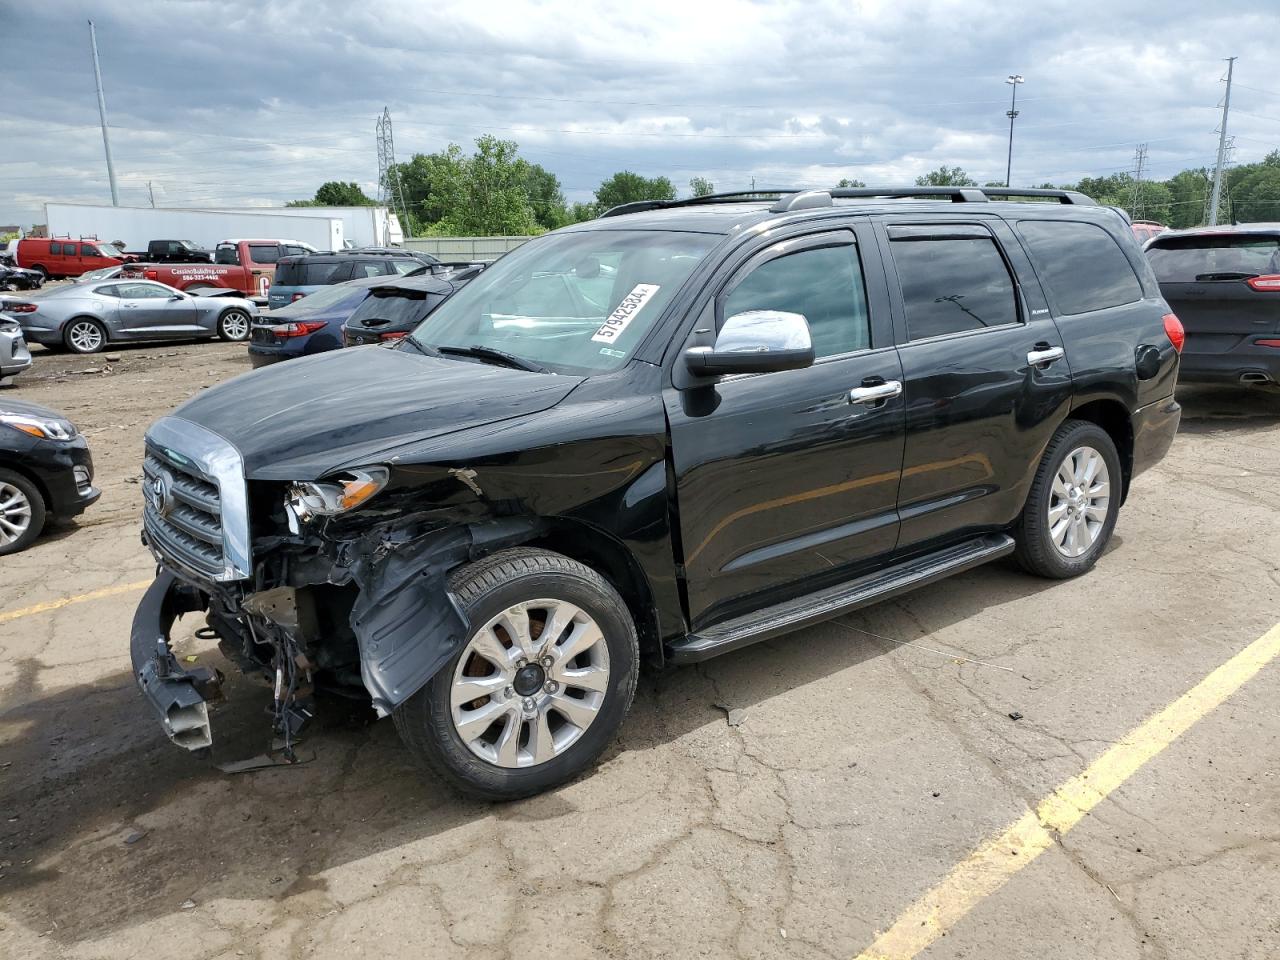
{"x": 235, "y": 325}
{"x": 1079, "y": 501}
{"x": 529, "y": 683}
{"x": 15, "y": 513}
{"x": 85, "y": 337}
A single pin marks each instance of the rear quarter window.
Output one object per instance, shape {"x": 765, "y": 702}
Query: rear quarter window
{"x": 1080, "y": 264}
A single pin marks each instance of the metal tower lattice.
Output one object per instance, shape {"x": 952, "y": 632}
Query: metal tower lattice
{"x": 390, "y": 193}
{"x": 1136, "y": 206}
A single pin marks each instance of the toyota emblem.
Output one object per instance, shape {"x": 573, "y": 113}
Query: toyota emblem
{"x": 159, "y": 493}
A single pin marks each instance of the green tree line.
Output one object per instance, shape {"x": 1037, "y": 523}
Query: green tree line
{"x": 493, "y": 190}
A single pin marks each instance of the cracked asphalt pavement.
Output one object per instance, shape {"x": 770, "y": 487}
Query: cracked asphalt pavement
{"x": 860, "y": 772}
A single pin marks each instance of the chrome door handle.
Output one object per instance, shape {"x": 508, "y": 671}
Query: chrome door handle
{"x": 1042, "y": 358}
{"x": 881, "y": 391}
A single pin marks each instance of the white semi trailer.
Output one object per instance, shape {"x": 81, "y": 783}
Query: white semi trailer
{"x": 362, "y": 226}
{"x": 137, "y": 226}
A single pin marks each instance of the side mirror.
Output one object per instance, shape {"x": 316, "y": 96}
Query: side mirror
{"x": 176, "y": 296}
{"x": 758, "y": 341}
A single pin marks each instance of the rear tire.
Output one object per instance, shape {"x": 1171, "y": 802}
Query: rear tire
{"x": 85, "y": 335}
{"x": 551, "y": 718}
{"x": 233, "y": 325}
{"x": 1071, "y": 510}
{"x": 22, "y": 512}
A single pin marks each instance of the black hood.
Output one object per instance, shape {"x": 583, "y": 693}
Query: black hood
{"x": 301, "y": 419}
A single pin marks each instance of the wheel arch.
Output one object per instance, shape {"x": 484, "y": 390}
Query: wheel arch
{"x": 106, "y": 327}
{"x": 1113, "y": 417}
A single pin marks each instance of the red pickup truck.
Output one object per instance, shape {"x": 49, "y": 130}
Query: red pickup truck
{"x": 245, "y": 265}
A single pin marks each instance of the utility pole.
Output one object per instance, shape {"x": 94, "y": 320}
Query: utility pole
{"x": 1012, "y": 113}
{"x": 1136, "y": 206}
{"x": 1222, "y": 149}
{"x": 102, "y": 115}
{"x": 151, "y": 194}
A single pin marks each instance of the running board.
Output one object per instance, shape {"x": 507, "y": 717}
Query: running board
{"x": 842, "y": 598}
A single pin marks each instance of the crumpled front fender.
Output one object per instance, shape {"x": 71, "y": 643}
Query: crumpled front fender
{"x": 406, "y": 621}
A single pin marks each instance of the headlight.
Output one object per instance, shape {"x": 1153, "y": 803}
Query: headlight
{"x": 334, "y": 495}
{"x": 46, "y": 428}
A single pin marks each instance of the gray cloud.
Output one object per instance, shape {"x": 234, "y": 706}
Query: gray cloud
{"x": 245, "y": 102}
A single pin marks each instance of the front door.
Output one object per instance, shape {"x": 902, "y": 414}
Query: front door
{"x": 985, "y": 373}
{"x": 785, "y": 481}
{"x": 151, "y": 310}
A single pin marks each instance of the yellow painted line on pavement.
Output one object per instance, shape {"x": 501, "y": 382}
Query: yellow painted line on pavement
{"x": 8, "y": 615}
{"x": 989, "y": 867}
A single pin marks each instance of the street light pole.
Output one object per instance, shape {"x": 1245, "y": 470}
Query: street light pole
{"x": 102, "y": 115}
{"x": 1013, "y": 80}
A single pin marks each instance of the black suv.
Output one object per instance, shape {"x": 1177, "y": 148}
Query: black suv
{"x": 392, "y": 310}
{"x": 1224, "y": 283}
{"x": 661, "y": 435}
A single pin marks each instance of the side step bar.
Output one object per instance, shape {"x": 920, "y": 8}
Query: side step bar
{"x": 842, "y": 598}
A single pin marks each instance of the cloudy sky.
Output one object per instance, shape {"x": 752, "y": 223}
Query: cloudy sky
{"x": 239, "y": 103}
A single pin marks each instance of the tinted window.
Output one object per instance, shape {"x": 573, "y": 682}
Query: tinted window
{"x": 264, "y": 253}
{"x": 55, "y": 249}
{"x": 406, "y": 266}
{"x": 291, "y": 250}
{"x": 88, "y": 250}
{"x": 825, "y": 285}
{"x": 370, "y": 269}
{"x": 143, "y": 291}
{"x": 953, "y": 285}
{"x": 1222, "y": 257}
{"x": 1081, "y": 264}
{"x": 304, "y": 274}
{"x": 227, "y": 253}
{"x": 399, "y": 307}
{"x": 111, "y": 290}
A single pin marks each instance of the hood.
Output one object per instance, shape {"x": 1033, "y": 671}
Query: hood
{"x": 301, "y": 419}
{"x": 28, "y": 409}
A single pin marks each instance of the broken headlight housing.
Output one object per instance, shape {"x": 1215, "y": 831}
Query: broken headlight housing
{"x": 344, "y": 491}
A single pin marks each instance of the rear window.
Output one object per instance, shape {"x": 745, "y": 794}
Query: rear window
{"x": 1081, "y": 264}
{"x": 227, "y": 253}
{"x": 305, "y": 274}
{"x": 328, "y": 297}
{"x": 397, "y": 306}
{"x": 1207, "y": 258}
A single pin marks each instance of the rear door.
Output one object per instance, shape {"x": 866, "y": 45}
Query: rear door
{"x": 262, "y": 266}
{"x": 985, "y": 375}
{"x": 1224, "y": 287}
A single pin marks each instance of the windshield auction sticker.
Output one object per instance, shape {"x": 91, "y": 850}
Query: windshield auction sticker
{"x": 631, "y": 304}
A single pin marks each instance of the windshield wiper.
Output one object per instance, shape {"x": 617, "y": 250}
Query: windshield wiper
{"x": 499, "y": 356}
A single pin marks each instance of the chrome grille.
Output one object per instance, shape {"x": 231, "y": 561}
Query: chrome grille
{"x": 195, "y": 512}
{"x": 190, "y": 531}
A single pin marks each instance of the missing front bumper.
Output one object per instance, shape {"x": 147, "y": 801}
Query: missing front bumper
{"x": 178, "y": 695}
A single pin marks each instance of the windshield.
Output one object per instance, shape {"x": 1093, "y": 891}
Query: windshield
{"x": 1222, "y": 256}
{"x": 573, "y": 302}
{"x": 106, "y": 250}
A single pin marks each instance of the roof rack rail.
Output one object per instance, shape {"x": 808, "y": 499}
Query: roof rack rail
{"x": 637, "y": 206}
{"x": 790, "y": 199}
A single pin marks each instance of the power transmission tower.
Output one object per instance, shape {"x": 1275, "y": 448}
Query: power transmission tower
{"x": 1222, "y": 148}
{"x": 389, "y": 192}
{"x": 1136, "y": 206}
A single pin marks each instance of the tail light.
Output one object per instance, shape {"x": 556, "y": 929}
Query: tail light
{"x": 297, "y": 328}
{"x": 390, "y": 337}
{"x": 1173, "y": 330}
{"x": 19, "y": 308}
{"x": 296, "y": 297}
{"x": 1267, "y": 343}
{"x": 151, "y": 274}
{"x": 1266, "y": 284}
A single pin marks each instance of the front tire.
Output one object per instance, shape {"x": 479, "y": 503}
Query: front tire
{"x": 22, "y": 512}
{"x": 1073, "y": 504}
{"x": 84, "y": 335}
{"x": 233, "y": 325}
{"x": 539, "y": 687}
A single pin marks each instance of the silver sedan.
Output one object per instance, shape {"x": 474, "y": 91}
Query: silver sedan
{"x": 86, "y": 317}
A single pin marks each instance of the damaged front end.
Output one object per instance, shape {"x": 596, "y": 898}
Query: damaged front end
{"x": 358, "y": 605}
